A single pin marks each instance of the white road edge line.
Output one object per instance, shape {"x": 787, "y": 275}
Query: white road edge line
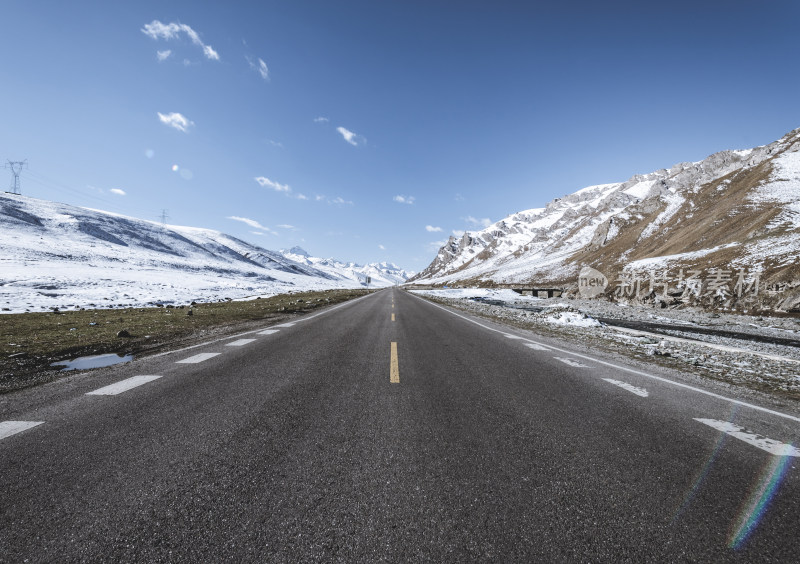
{"x": 630, "y": 370}
{"x": 8, "y": 428}
{"x": 229, "y": 337}
{"x": 570, "y": 362}
{"x": 197, "y": 358}
{"x": 123, "y": 386}
{"x": 771, "y": 446}
{"x": 537, "y": 347}
{"x": 240, "y": 342}
{"x": 625, "y": 386}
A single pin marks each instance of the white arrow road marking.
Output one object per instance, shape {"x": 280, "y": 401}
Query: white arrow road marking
{"x": 769, "y": 445}
{"x": 536, "y": 347}
{"x": 8, "y": 428}
{"x": 240, "y": 343}
{"x": 625, "y": 386}
{"x": 123, "y": 386}
{"x": 269, "y": 332}
{"x": 197, "y": 358}
{"x": 571, "y": 362}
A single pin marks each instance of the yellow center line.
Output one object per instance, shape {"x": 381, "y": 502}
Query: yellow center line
{"x": 392, "y": 317}
{"x": 394, "y": 367}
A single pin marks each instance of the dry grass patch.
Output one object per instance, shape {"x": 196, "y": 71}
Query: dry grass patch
{"x": 31, "y": 342}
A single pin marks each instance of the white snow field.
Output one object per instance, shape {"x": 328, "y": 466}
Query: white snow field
{"x": 59, "y": 256}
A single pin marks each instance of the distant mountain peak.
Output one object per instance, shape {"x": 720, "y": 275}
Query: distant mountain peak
{"x": 378, "y": 273}
{"x": 297, "y": 251}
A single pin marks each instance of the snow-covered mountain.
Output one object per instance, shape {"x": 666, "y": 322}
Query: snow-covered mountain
{"x": 724, "y": 229}
{"x": 57, "y": 255}
{"x": 381, "y": 274}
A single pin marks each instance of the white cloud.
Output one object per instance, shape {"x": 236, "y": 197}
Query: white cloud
{"x": 458, "y": 232}
{"x": 163, "y": 55}
{"x": 117, "y": 191}
{"x": 302, "y": 197}
{"x": 172, "y": 30}
{"x": 275, "y": 143}
{"x": 459, "y": 198}
{"x": 436, "y": 245}
{"x": 432, "y": 229}
{"x": 260, "y": 67}
{"x": 267, "y": 183}
{"x": 263, "y": 70}
{"x": 321, "y": 119}
{"x": 482, "y": 222}
{"x": 210, "y": 53}
{"x": 287, "y": 226}
{"x": 158, "y": 30}
{"x": 247, "y": 221}
{"x": 381, "y": 247}
{"x": 339, "y": 201}
{"x": 176, "y": 120}
{"x": 404, "y": 199}
{"x": 353, "y": 138}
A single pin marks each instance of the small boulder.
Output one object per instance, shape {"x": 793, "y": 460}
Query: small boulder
{"x": 124, "y": 334}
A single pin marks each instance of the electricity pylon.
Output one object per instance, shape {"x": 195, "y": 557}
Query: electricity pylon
{"x": 16, "y": 168}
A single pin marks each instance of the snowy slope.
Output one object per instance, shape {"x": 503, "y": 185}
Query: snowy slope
{"x": 381, "y": 274}
{"x": 735, "y": 210}
{"x": 56, "y": 255}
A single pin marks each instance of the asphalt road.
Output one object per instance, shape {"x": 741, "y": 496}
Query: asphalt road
{"x": 464, "y": 441}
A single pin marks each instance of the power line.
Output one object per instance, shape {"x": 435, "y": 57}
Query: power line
{"x": 16, "y": 167}
{"x": 50, "y": 184}
{"x": 164, "y": 216}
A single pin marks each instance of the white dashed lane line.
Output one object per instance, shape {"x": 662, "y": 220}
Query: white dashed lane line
{"x": 240, "y": 343}
{"x": 771, "y": 446}
{"x": 269, "y": 332}
{"x": 8, "y": 428}
{"x": 625, "y": 386}
{"x": 197, "y": 358}
{"x": 286, "y": 324}
{"x": 123, "y": 386}
{"x": 536, "y": 347}
{"x": 570, "y": 362}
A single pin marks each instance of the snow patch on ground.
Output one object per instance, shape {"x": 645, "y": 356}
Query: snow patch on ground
{"x": 674, "y": 202}
{"x": 483, "y": 293}
{"x": 571, "y": 318}
{"x": 653, "y": 263}
{"x": 782, "y": 188}
{"x": 641, "y": 189}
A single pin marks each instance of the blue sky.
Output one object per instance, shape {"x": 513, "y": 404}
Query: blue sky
{"x": 372, "y": 130}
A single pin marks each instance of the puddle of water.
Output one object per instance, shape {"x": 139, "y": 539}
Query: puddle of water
{"x": 84, "y": 362}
